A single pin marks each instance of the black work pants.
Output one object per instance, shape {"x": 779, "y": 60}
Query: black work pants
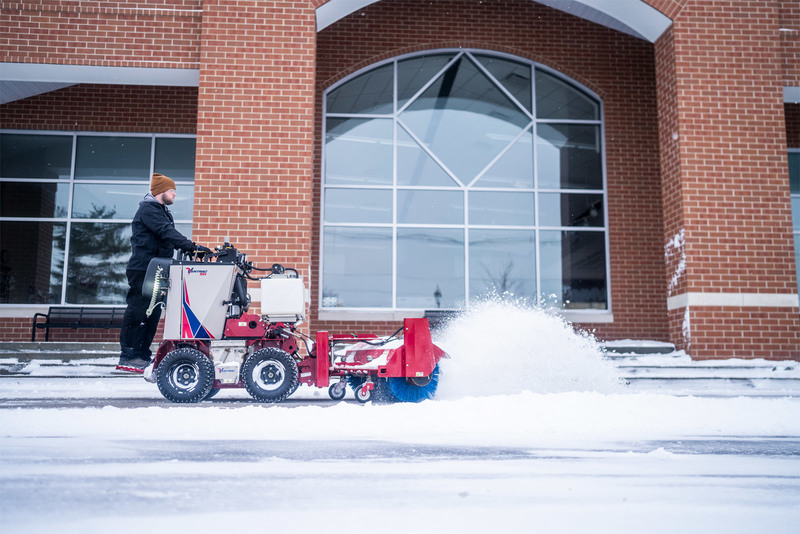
{"x": 138, "y": 330}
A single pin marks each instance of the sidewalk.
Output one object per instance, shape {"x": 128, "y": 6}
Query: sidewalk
{"x": 645, "y": 366}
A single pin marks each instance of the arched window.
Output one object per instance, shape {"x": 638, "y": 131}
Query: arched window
{"x": 451, "y": 175}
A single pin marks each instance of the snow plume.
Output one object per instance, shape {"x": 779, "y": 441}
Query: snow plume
{"x": 676, "y": 245}
{"x": 499, "y": 348}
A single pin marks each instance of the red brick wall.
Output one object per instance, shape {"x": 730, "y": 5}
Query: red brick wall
{"x": 734, "y": 197}
{"x": 789, "y": 22}
{"x": 106, "y": 108}
{"x": 619, "y": 68}
{"x": 146, "y": 33}
{"x": 255, "y": 129}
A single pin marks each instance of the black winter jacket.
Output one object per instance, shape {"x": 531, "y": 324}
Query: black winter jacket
{"x": 153, "y": 234}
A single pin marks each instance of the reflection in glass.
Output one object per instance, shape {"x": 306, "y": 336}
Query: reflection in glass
{"x": 414, "y": 73}
{"x": 430, "y": 260}
{"x": 35, "y": 156}
{"x": 417, "y": 167}
{"x": 556, "y": 99}
{"x": 34, "y": 199}
{"x": 175, "y": 157}
{"x": 573, "y": 269}
{"x": 570, "y": 209}
{"x": 120, "y": 158}
{"x": 120, "y": 201}
{"x": 358, "y": 205}
{"x": 368, "y": 93}
{"x": 358, "y": 152}
{"x": 430, "y": 207}
{"x": 98, "y": 255}
{"x": 502, "y": 208}
{"x": 502, "y": 262}
{"x": 464, "y": 119}
{"x": 568, "y": 156}
{"x": 513, "y": 75}
{"x": 796, "y": 214}
{"x": 31, "y": 262}
{"x": 358, "y": 267}
{"x": 794, "y": 172}
{"x": 514, "y": 168}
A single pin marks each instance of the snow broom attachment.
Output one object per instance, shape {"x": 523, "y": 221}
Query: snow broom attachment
{"x": 405, "y": 369}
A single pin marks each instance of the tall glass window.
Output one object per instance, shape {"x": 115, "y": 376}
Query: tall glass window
{"x": 452, "y": 175}
{"x": 66, "y": 203}
{"x": 794, "y": 183}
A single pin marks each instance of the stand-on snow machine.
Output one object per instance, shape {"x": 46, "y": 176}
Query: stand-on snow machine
{"x": 212, "y": 342}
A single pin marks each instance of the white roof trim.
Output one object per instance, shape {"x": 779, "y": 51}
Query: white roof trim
{"x": 633, "y": 17}
{"x": 71, "y": 74}
{"x": 791, "y": 95}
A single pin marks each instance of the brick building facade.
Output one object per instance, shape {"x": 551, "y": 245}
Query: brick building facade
{"x": 699, "y": 110}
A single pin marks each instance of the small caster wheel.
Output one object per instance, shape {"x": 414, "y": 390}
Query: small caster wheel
{"x": 338, "y": 390}
{"x": 364, "y": 393}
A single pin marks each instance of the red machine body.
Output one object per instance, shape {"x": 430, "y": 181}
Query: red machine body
{"x": 261, "y": 353}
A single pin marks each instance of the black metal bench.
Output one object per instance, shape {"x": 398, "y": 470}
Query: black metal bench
{"x": 438, "y": 318}
{"x": 77, "y": 317}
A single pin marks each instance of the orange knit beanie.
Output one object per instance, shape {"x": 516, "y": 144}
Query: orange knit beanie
{"x": 160, "y": 183}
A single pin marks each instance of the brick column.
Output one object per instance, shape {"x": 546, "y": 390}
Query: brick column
{"x": 729, "y": 250}
{"x": 255, "y": 129}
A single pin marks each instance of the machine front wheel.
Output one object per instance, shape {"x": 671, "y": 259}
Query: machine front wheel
{"x": 338, "y": 390}
{"x": 270, "y": 375}
{"x": 185, "y": 375}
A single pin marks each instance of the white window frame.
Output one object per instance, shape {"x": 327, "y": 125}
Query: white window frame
{"x": 394, "y": 313}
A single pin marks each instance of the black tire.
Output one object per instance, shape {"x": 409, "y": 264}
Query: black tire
{"x": 185, "y": 375}
{"x": 337, "y": 391}
{"x": 270, "y": 375}
{"x": 363, "y": 396}
{"x": 211, "y": 393}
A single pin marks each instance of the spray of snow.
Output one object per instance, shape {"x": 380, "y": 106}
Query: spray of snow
{"x": 500, "y": 348}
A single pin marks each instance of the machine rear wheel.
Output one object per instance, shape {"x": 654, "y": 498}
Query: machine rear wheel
{"x": 185, "y": 375}
{"x": 270, "y": 375}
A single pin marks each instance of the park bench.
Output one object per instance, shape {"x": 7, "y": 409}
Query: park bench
{"x": 77, "y": 317}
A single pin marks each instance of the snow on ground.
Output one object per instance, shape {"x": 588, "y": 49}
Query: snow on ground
{"x": 532, "y": 431}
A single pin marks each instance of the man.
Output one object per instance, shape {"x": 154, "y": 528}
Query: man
{"x": 153, "y": 235}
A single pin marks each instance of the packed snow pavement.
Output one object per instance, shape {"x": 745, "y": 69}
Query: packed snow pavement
{"x": 532, "y": 430}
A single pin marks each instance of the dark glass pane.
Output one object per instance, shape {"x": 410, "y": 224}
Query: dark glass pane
{"x": 31, "y": 262}
{"x": 370, "y": 92}
{"x": 556, "y": 99}
{"x": 175, "y": 158}
{"x": 414, "y": 73}
{"x": 98, "y": 255}
{"x": 502, "y": 262}
{"x": 571, "y": 209}
{"x": 430, "y": 207}
{"x": 117, "y": 158}
{"x": 34, "y": 199}
{"x": 357, "y": 268}
{"x": 358, "y": 205}
{"x": 464, "y": 119}
{"x": 568, "y": 156}
{"x": 514, "y": 168}
{"x": 358, "y": 152}
{"x": 513, "y": 75}
{"x": 574, "y": 269}
{"x": 417, "y": 167}
{"x": 501, "y": 208}
{"x": 794, "y": 172}
{"x": 35, "y": 156}
{"x": 430, "y": 268}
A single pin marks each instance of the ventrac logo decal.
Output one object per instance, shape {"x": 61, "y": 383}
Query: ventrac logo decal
{"x": 192, "y": 270}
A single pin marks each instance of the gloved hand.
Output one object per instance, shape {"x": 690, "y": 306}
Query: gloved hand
{"x": 200, "y": 249}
